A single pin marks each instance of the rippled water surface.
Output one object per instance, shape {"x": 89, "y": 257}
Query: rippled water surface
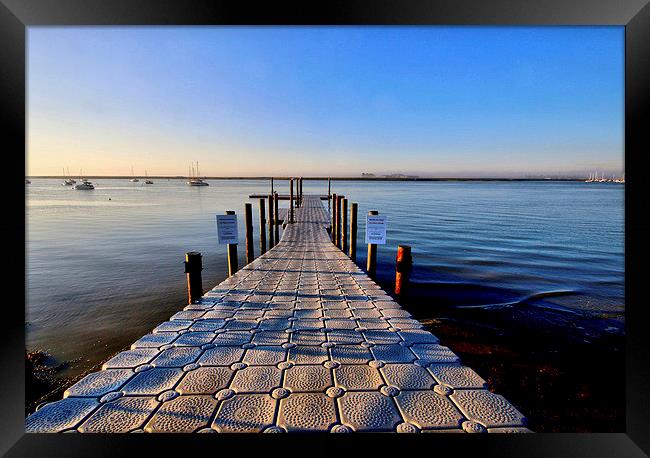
{"x": 100, "y": 273}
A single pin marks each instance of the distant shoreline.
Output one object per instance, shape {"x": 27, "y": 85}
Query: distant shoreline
{"x": 153, "y": 177}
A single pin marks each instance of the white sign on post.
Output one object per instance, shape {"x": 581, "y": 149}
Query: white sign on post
{"x": 227, "y": 229}
{"x": 376, "y": 229}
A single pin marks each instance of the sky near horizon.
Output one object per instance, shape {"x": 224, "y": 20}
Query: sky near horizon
{"x": 315, "y": 101}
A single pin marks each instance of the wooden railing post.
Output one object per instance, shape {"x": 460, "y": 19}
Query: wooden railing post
{"x": 233, "y": 264}
{"x": 404, "y": 264}
{"x": 333, "y": 217}
{"x": 329, "y": 193}
{"x": 371, "y": 265}
{"x": 271, "y": 185}
{"x": 344, "y": 226}
{"x": 193, "y": 268}
{"x": 271, "y": 222}
{"x": 262, "y": 227}
{"x": 339, "y": 198}
{"x": 301, "y": 194}
{"x": 291, "y": 201}
{"x": 248, "y": 218}
{"x": 277, "y": 217}
{"x": 353, "y": 231}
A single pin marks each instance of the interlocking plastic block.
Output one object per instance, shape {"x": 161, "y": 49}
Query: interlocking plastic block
{"x": 207, "y": 325}
{"x": 382, "y": 337}
{"x": 271, "y": 338}
{"x": 456, "y": 376}
{"x": 427, "y": 409}
{"x": 433, "y": 353}
{"x": 393, "y": 353}
{"x": 489, "y": 409}
{"x": 155, "y": 340}
{"x": 351, "y": 354}
{"x": 307, "y": 412}
{"x": 407, "y": 376}
{"x": 308, "y": 355}
{"x": 99, "y": 383}
{"x": 307, "y": 378}
{"x": 120, "y": 416}
{"x": 245, "y": 413}
{"x": 131, "y": 358}
{"x": 205, "y": 380}
{"x": 60, "y": 415}
{"x": 257, "y": 379}
{"x": 233, "y": 338}
{"x": 413, "y": 336}
{"x": 358, "y": 377}
{"x": 173, "y": 326}
{"x": 221, "y": 356}
{"x": 310, "y": 338}
{"x": 177, "y": 357}
{"x": 184, "y": 414}
{"x": 194, "y": 339}
{"x": 369, "y": 411}
{"x": 266, "y": 355}
{"x": 153, "y": 382}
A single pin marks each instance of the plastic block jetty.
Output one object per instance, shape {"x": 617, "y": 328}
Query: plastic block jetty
{"x": 298, "y": 340}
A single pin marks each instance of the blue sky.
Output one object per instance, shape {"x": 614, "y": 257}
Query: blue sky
{"x": 431, "y": 101}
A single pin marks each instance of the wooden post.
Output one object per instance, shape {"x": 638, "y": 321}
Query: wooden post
{"x": 301, "y": 194}
{"x": 262, "y": 227}
{"x": 333, "y": 215}
{"x": 193, "y": 268}
{"x": 250, "y": 249}
{"x": 271, "y": 222}
{"x": 339, "y": 198}
{"x": 404, "y": 263}
{"x": 371, "y": 265}
{"x": 233, "y": 263}
{"x": 329, "y": 193}
{"x": 291, "y": 201}
{"x": 277, "y": 217}
{"x": 353, "y": 231}
{"x": 344, "y": 226}
{"x": 271, "y": 185}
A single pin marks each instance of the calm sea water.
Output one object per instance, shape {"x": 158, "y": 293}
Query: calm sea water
{"x": 100, "y": 273}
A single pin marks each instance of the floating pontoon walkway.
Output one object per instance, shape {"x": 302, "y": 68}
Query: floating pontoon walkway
{"x": 298, "y": 340}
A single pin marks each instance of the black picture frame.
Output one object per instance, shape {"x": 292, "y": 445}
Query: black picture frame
{"x": 17, "y": 15}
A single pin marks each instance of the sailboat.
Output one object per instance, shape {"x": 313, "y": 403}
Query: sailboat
{"x": 134, "y": 179}
{"x": 195, "y": 180}
{"x": 147, "y": 180}
{"x": 71, "y": 180}
{"x": 67, "y": 181}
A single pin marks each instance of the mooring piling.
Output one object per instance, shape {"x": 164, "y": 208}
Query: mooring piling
{"x": 193, "y": 268}
{"x": 233, "y": 264}
{"x": 371, "y": 264}
{"x": 403, "y": 267}
{"x": 344, "y": 225}
{"x": 333, "y": 217}
{"x": 262, "y": 227}
{"x": 248, "y": 218}
{"x": 291, "y": 200}
{"x": 277, "y": 217}
{"x": 353, "y": 231}
{"x": 339, "y": 198}
{"x": 271, "y": 238}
